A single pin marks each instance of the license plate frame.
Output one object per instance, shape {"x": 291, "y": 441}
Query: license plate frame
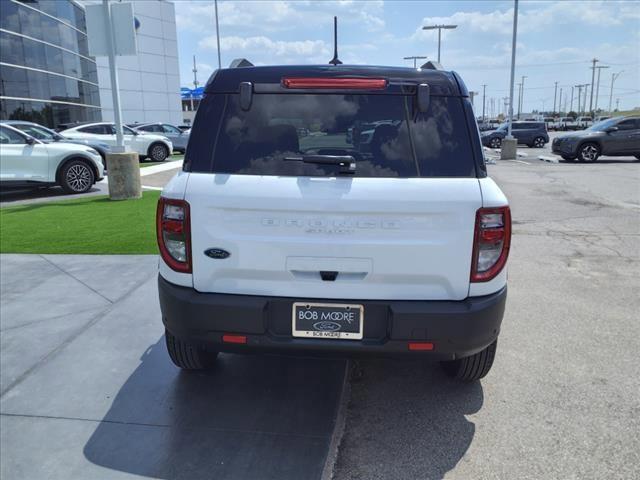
{"x": 329, "y": 315}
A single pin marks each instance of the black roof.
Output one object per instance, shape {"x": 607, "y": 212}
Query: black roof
{"x": 440, "y": 82}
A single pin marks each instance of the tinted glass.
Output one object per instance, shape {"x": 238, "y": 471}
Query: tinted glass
{"x": 381, "y": 132}
{"x": 170, "y": 129}
{"x": 95, "y": 129}
{"x": 9, "y": 136}
{"x": 49, "y": 114}
{"x": 629, "y": 124}
{"x": 34, "y": 131}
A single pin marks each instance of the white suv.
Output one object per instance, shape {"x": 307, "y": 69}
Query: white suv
{"x": 29, "y": 163}
{"x": 377, "y": 231}
{"x": 154, "y": 147}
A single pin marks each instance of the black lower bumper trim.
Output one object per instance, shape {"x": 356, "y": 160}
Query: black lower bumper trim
{"x": 456, "y": 328}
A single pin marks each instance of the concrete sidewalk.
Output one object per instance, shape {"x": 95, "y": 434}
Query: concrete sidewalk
{"x": 88, "y": 391}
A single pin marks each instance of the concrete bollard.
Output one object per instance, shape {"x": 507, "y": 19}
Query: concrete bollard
{"x": 123, "y": 172}
{"x": 508, "y": 149}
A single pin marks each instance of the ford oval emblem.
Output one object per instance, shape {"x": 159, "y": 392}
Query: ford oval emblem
{"x": 216, "y": 253}
{"x": 326, "y": 326}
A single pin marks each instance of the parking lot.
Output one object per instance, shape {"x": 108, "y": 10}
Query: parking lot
{"x": 88, "y": 389}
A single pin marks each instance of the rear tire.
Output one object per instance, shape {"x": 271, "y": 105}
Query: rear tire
{"x": 538, "y": 142}
{"x": 158, "y": 152}
{"x": 76, "y": 177}
{"x": 475, "y": 367}
{"x": 188, "y": 356}
{"x": 495, "y": 143}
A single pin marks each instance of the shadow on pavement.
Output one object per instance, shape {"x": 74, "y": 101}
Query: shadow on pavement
{"x": 8, "y": 197}
{"x": 406, "y": 419}
{"x": 251, "y": 417}
{"x": 601, "y": 161}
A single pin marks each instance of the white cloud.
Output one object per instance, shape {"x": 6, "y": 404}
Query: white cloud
{"x": 272, "y": 16}
{"x": 304, "y": 51}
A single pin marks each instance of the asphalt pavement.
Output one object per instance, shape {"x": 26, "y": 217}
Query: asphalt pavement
{"x": 563, "y": 397}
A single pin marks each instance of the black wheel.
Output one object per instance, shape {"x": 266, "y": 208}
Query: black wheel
{"x": 188, "y": 356}
{"x": 568, "y": 158}
{"x": 158, "y": 152}
{"x": 475, "y": 367}
{"x": 538, "y": 142}
{"x": 495, "y": 142}
{"x": 588, "y": 152}
{"x": 76, "y": 177}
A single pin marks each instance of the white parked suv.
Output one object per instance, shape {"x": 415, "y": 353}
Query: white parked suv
{"x": 273, "y": 240}
{"x": 29, "y": 163}
{"x": 154, "y": 147}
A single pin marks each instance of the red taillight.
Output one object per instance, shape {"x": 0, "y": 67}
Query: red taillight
{"x": 229, "y": 338}
{"x": 174, "y": 234}
{"x": 337, "y": 83}
{"x": 420, "y": 346}
{"x": 491, "y": 243}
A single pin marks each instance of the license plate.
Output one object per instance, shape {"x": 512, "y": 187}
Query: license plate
{"x": 327, "y": 320}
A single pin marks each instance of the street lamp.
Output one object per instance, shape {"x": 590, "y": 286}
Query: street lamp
{"x": 439, "y": 28}
{"x": 613, "y": 79}
{"x": 598, "y": 85}
{"x": 414, "y": 58}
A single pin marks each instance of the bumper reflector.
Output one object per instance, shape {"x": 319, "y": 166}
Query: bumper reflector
{"x": 228, "y": 338}
{"x": 420, "y": 346}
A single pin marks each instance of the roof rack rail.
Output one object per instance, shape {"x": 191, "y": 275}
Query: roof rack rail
{"x": 241, "y": 62}
{"x": 432, "y": 65}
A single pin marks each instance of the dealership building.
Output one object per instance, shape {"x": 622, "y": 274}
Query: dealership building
{"x": 47, "y": 75}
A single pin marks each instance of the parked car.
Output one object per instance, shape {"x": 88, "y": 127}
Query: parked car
{"x": 26, "y": 162}
{"x": 184, "y": 128}
{"x": 533, "y": 134}
{"x": 616, "y": 136}
{"x": 155, "y": 147}
{"x": 566, "y": 123}
{"x": 601, "y": 118}
{"x": 549, "y": 122}
{"x": 583, "y": 122}
{"x": 46, "y": 135}
{"x": 270, "y": 244}
{"x": 178, "y": 138}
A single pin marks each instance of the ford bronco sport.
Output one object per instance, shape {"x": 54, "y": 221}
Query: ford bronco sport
{"x": 334, "y": 209}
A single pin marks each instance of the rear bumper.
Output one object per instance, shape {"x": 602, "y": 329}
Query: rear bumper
{"x": 456, "y": 328}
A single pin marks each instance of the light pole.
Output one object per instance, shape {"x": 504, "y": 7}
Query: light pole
{"x": 414, "y": 58}
{"x": 598, "y": 85}
{"x": 484, "y": 92}
{"x": 560, "y": 101}
{"x": 571, "y": 104}
{"x": 614, "y": 76}
{"x": 593, "y": 77}
{"x": 521, "y": 102}
{"x": 439, "y": 28}
{"x": 555, "y": 93}
{"x": 508, "y": 150}
{"x": 519, "y": 96}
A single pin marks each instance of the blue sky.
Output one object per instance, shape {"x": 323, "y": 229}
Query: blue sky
{"x": 556, "y": 40}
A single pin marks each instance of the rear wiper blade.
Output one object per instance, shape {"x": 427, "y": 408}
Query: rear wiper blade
{"x": 347, "y": 162}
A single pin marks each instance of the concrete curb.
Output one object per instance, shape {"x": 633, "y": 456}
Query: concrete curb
{"x": 170, "y": 165}
{"x": 549, "y": 158}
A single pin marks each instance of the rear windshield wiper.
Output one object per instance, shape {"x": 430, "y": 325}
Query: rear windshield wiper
{"x": 347, "y": 162}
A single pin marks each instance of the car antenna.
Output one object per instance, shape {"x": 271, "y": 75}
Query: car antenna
{"x": 335, "y": 60}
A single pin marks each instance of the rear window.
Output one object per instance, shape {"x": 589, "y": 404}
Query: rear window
{"x": 383, "y": 134}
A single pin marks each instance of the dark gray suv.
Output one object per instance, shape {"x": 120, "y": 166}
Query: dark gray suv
{"x": 533, "y": 134}
{"x": 615, "y": 137}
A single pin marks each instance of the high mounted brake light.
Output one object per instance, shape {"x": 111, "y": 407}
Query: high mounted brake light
{"x": 491, "y": 243}
{"x": 336, "y": 83}
{"x": 174, "y": 233}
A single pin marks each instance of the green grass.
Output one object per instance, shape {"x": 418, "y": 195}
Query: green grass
{"x": 95, "y": 225}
